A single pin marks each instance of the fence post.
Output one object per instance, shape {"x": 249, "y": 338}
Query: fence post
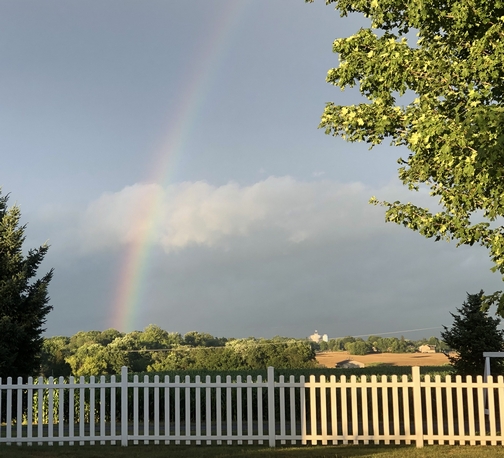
{"x": 271, "y": 406}
{"x": 124, "y": 406}
{"x": 417, "y": 404}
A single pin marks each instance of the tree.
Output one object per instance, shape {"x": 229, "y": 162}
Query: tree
{"x": 52, "y": 357}
{"x": 359, "y": 347}
{"x": 474, "y": 332}
{"x": 90, "y": 359}
{"x": 23, "y": 297}
{"x": 454, "y": 124}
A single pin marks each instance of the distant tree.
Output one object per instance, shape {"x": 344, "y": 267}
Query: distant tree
{"x": 52, "y": 360}
{"x": 474, "y": 332}
{"x": 90, "y": 359}
{"x": 107, "y": 336}
{"x": 83, "y": 337}
{"x": 23, "y": 297}
{"x": 154, "y": 337}
{"x": 323, "y": 346}
{"x": 359, "y": 347}
{"x": 202, "y": 339}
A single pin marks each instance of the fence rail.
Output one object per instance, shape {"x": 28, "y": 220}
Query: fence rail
{"x": 324, "y": 411}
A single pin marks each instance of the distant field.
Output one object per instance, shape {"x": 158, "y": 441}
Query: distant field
{"x": 330, "y": 358}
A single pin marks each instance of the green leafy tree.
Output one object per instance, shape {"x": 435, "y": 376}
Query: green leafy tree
{"x": 108, "y": 336}
{"x": 451, "y": 120}
{"x": 52, "y": 360}
{"x": 359, "y": 347}
{"x": 474, "y": 332}
{"x": 23, "y": 297}
{"x": 83, "y": 337}
{"x": 202, "y": 339}
{"x": 89, "y": 359}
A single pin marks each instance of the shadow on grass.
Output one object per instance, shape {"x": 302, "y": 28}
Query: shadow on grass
{"x": 227, "y": 451}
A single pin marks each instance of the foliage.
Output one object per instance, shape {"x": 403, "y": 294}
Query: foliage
{"x": 474, "y": 332}
{"x": 52, "y": 358}
{"x": 378, "y": 344}
{"x": 202, "y": 339}
{"x": 442, "y": 98}
{"x": 239, "y": 354}
{"x": 23, "y": 297}
{"x": 89, "y": 359}
{"x": 359, "y": 347}
{"x": 153, "y": 349}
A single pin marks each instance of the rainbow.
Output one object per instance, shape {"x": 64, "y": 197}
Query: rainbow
{"x": 135, "y": 265}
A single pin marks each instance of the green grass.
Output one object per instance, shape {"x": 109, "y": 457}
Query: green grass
{"x": 225, "y": 451}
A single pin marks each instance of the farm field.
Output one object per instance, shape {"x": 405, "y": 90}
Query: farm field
{"x": 330, "y": 358}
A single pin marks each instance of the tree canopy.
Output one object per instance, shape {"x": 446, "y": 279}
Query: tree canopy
{"x": 23, "y": 298}
{"x": 440, "y": 96}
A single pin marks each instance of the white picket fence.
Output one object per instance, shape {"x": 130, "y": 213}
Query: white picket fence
{"x": 324, "y": 411}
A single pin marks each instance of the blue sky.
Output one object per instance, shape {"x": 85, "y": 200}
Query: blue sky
{"x": 262, "y": 223}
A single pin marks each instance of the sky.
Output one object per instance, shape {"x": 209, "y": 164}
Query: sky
{"x": 169, "y": 154}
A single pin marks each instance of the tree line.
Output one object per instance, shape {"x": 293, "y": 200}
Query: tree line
{"x": 154, "y": 349}
{"x": 378, "y": 344}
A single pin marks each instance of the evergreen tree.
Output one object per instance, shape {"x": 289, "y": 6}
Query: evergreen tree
{"x": 23, "y": 298}
{"x": 474, "y": 332}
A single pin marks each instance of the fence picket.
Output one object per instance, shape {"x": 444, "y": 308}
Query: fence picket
{"x": 198, "y": 409}
{"x": 187, "y": 420}
{"x": 249, "y": 410}
{"x": 385, "y": 407}
{"x": 229, "y": 419}
{"x": 365, "y": 419}
{"x": 324, "y": 411}
{"x": 29, "y": 408}
{"x": 124, "y": 406}
{"x": 71, "y": 411}
{"x": 260, "y": 422}
{"x": 218, "y": 408}
{"x": 491, "y": 410}
{"x": 355, "y": 408}
{"x": 61, "y": 410}
{"x": 19, "y": 407}
{"x": 459, "y": 390}
{"x": 156, "y": 409}
{"x": 292, "y": 409}
{"x": 167, "y": 418}
{"x": 374, "y": 396}
{"x": 428, "y": 405}
{"x": 481, "y": 410}
{"x": 417, "y": 407}
{"x": 334, "y": 415}
{"x": 239, "y": 413}
{"x": 282, "y": 409}
{"x": 208, "y": 411}
{"x": 113, "y": 407}
{"x": 500, "y": 391}
{"x": 177, "y": 409}
{"x": 406, "y": 409}
{"x": 395, "y": 407}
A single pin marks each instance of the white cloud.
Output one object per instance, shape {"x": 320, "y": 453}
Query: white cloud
{"x": 198, "y": 213}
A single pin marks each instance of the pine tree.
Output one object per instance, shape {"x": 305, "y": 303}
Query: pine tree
{"x": 474, "y": 332}
{"x": 23, "y": 297}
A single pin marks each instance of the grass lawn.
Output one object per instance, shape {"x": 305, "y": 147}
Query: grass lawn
{"x": 225, "y": 451}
